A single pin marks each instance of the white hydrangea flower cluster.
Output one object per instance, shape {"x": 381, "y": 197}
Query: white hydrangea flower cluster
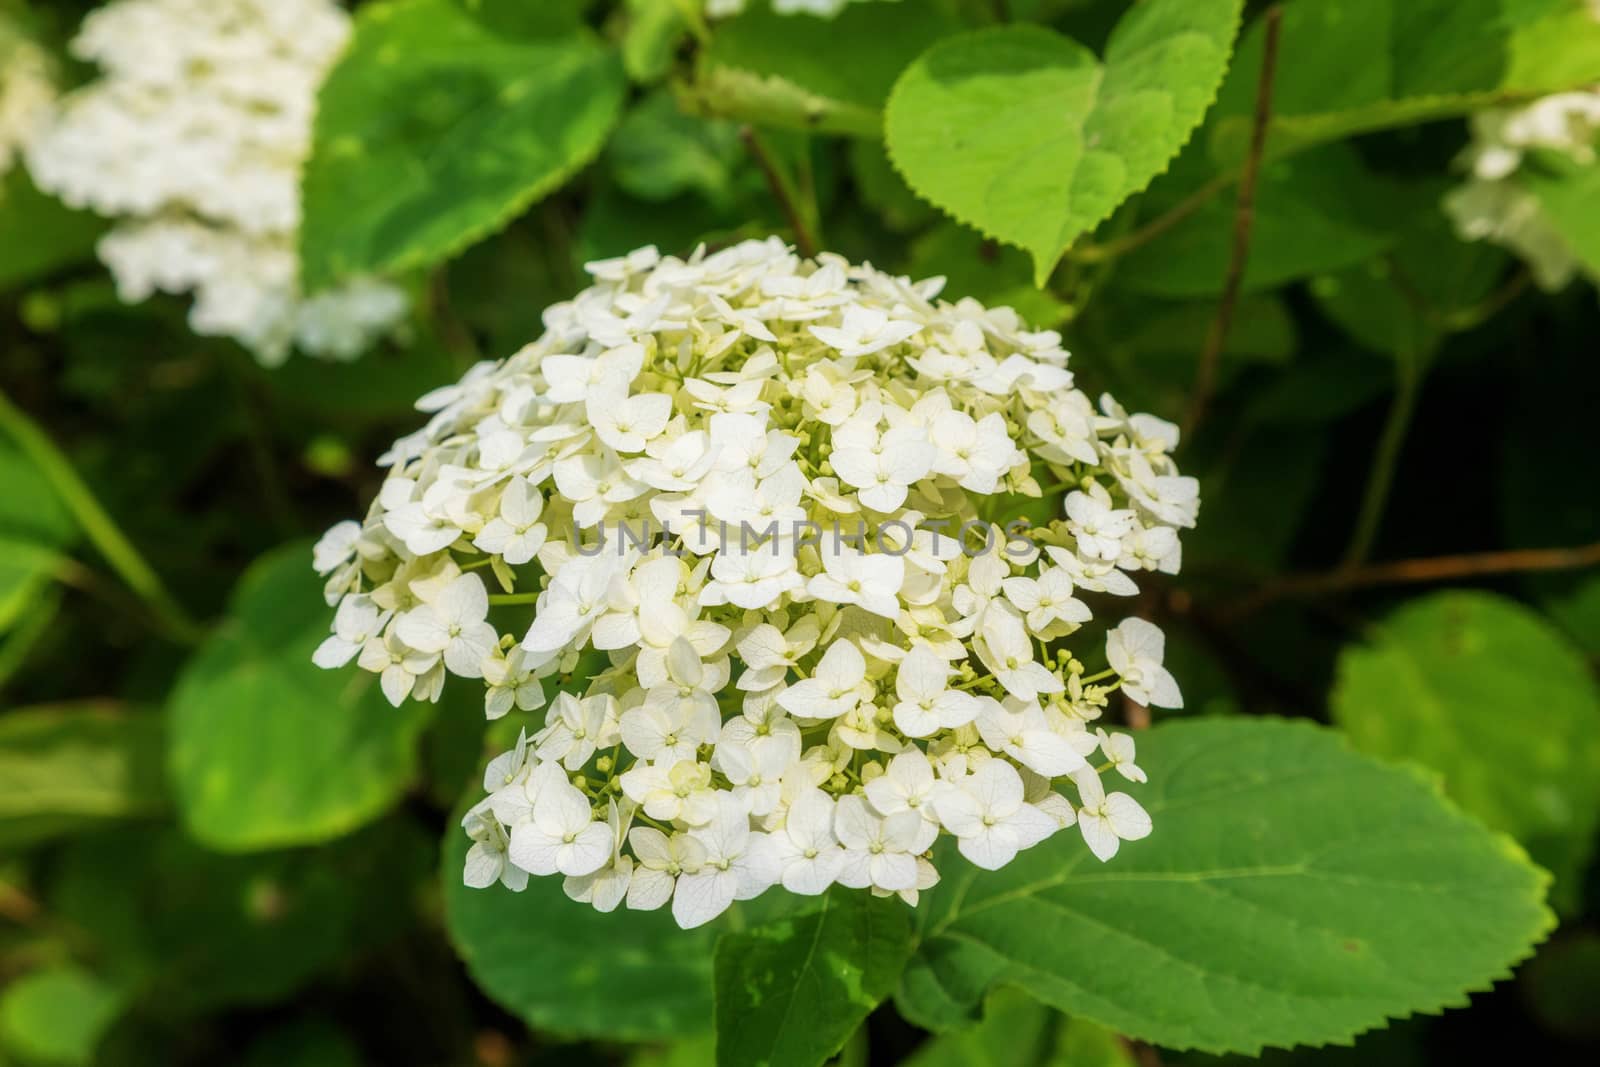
{"x": 27, "y": 93}
{"x": 195, "y": 137}
{"x": 1494, "y": 206}
{"x": 760, "y": 509}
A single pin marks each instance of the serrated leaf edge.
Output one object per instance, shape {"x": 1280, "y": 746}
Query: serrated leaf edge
{"x": 1434, "y": 784}
{"x": 1042, "y": 271}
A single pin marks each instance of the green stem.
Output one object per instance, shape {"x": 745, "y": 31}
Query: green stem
{"x": 97, "y": 523}
{"x": 1408, "y": 384}
{"x": 513, "y": 598}
{"x": 784, "y": 191}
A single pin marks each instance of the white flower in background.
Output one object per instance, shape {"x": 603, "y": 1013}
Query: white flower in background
{"x": 193, "y": 138}
{"x": 27, "y": 93}
{"x": 735, "y": 518}
{"x": 1495, "y": 205}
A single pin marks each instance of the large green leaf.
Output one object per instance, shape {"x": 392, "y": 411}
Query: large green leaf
{"x": 1026, "y": 135}
{"x": 1293, "y": 892}
{"x": 1354, "y": 66}
{"x": 824, "y": 75}
{"x": 1493, "y": 698}
{"x": 564, "y": 967}
{"x": 433, "y": 132}
{"x": 269, "y": 750}
{"x": 791, "y": 992}
{"x": 62, "y": 768}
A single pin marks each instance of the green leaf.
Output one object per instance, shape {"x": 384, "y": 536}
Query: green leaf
{"x": 1024, "y": 134}
{"x": 1494, "y": 699}
{"x": 564, "y": 967}
{"x": 30, "y": 510}
{"x": 63, "y": 768}
{"x": 1320, "y": 211}
{"x": 1146, "y": 351}
{"x": 1016, "y": 1031}
{"x": 790, "y": 993}
{"x": 659, "y": 153}
{"x": 880, "y": 188}
{"x": 1355, "y": 66}
{"x": 25, "y": 570}
{"x": 1293, "y": 892}
{"x": 57, "y": 1015}
{"x": 269, "y": 750}
{"x": 518, "y": 18}
{"x": 194, "y": 930}
{"x": 616, "y": 224}
{"x": 432, "y": 133}
{"x": 822, "y": 75}
{"x": 1569, "y": 196}
{"x": 654, "y": 29}
{"x": 1083, "y": 1044}
{"x": 1257, "y": 501}
{"x": 1402, "y": 303}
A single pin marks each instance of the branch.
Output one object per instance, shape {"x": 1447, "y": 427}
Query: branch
{"x": 1243, "y": 220}
{"x": 783, "y": 191}
{"x": 1415, "y": 571}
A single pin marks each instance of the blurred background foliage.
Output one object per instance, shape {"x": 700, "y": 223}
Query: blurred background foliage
{"x": 213, "y": 853}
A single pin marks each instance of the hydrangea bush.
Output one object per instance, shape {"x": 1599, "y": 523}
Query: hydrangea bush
{"x": 782, "y": 496}
{"x": 193, "y": 138}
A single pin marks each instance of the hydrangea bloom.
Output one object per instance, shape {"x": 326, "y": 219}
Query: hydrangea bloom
{"x": 195, "y": 136}
{"x": 1494, "y": 206}
{"x": 757, "y": 507}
